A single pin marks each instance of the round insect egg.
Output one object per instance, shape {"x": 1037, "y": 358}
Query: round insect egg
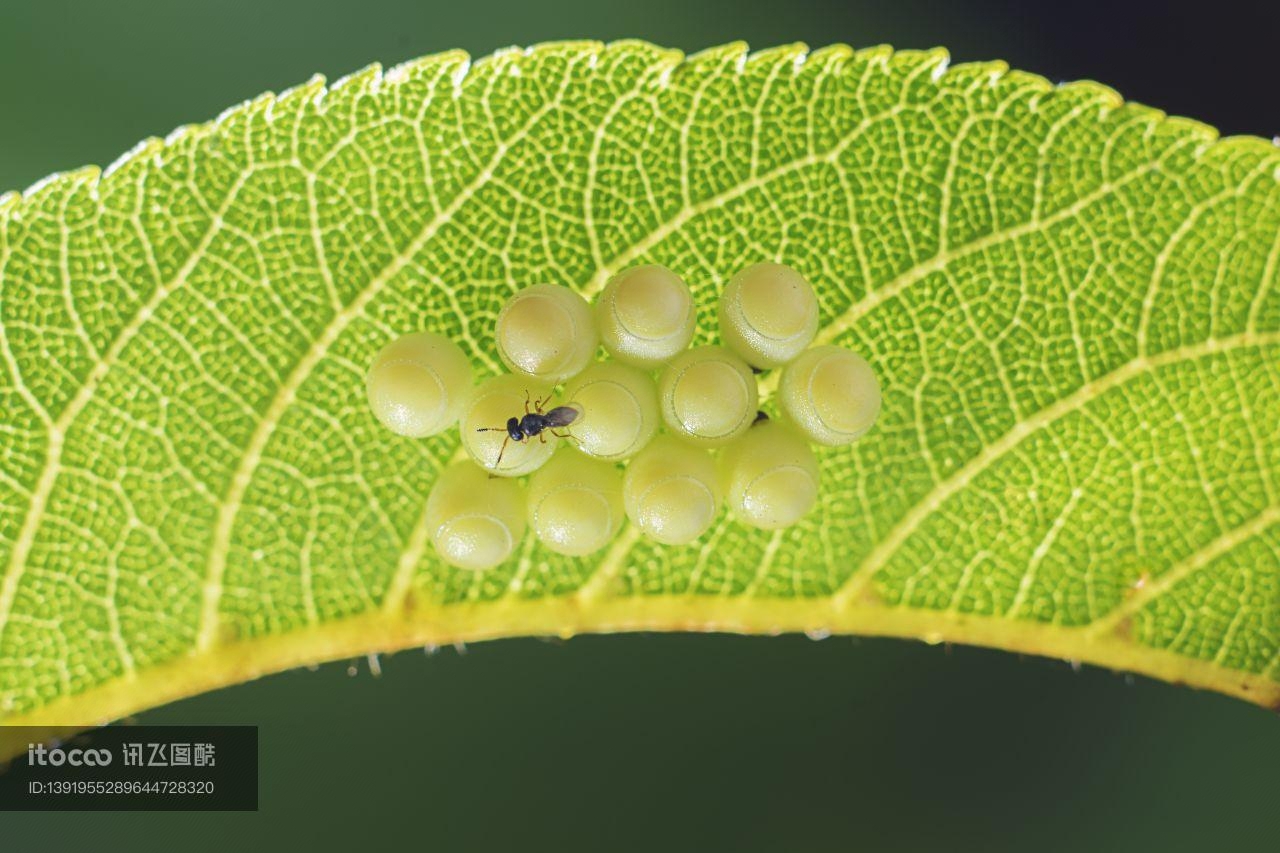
{"x": 671, "y": 491}
{"x": 490, "y": 408}
{"x": 475, "y": 521}
{"x": 418, "y": 383}
{"x": 768, "y": 314}
{"x": 708, "y": 395}
{"x": 646, "y": 315}
{"x": 546, "y": 331}
{"x": 619, "y": 407}
{"x": 575, "y": 504}
{"x": 770, "y": 476}
{"x": 830, "y": 394}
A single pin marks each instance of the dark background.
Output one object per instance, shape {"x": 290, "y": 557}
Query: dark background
{"x": 671, "y": 742}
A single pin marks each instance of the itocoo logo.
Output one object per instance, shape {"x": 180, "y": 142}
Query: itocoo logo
{"x": 37, "y": 753}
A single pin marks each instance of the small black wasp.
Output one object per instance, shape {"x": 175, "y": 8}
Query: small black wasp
{"x": 534, "y": 423}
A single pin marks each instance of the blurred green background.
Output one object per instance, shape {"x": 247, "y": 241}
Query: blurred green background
{"x": 670, "y": 742}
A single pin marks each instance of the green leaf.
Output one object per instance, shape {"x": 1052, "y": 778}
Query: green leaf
{"x": 1073, "y": 304}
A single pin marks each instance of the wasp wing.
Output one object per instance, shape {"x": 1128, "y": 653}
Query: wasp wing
{"x": 562, "y": 416}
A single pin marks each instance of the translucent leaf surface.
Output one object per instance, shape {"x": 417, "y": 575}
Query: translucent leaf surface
{"x": 1073, "y": 305}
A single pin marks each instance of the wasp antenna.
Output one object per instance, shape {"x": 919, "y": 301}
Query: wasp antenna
{"x": 501, "y": 451}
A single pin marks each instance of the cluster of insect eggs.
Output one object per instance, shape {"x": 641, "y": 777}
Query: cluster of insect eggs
{"x": 691, "y": 441}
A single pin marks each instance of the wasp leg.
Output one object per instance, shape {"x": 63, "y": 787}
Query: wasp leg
{"x": 526, "y": 401}
{"x": 542, "y": 437}
{"x": 538, "y": 404}
{"x": 572, "y": 438}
